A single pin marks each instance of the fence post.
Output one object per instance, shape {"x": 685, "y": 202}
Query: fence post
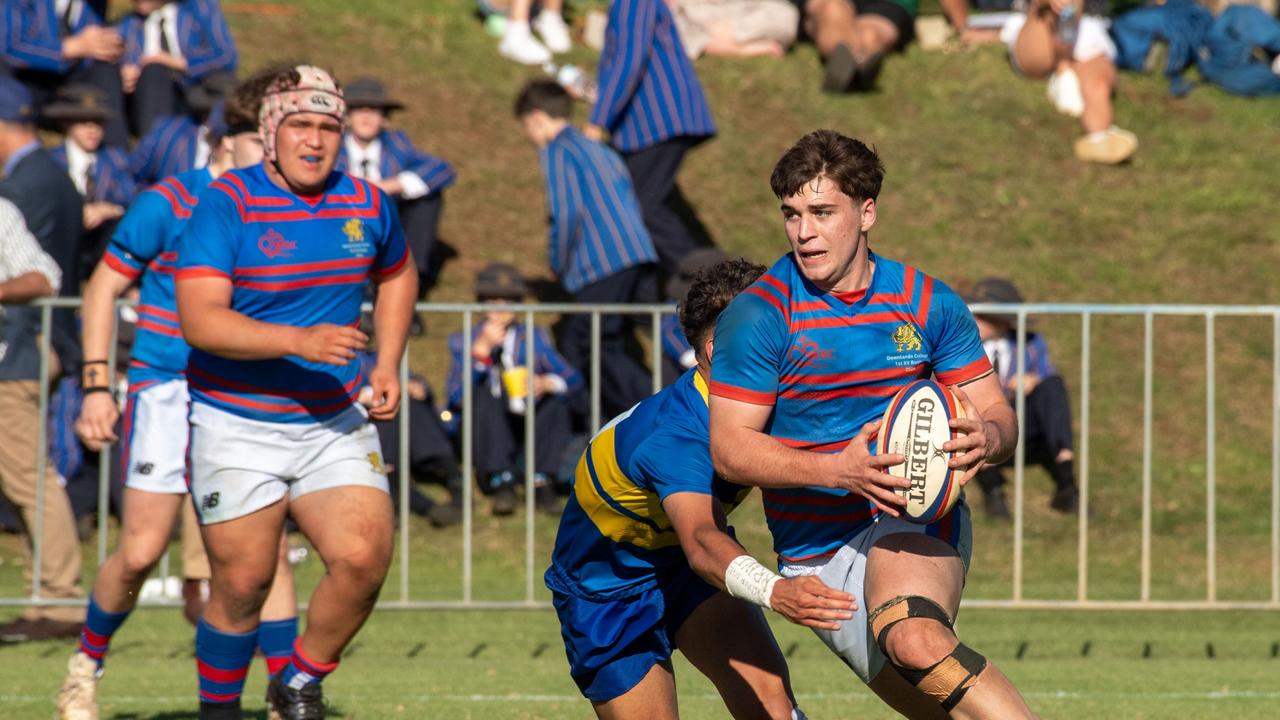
{"x": 1148, "y": 331}
{"x": 1082, "y": 519}
{"x": 529, "y": 450}
{"x": 468, "y": 460}
{"x": 406, "y": 476}
{"x": 1210, "y": 475}
{"x": 1019, "y": 451}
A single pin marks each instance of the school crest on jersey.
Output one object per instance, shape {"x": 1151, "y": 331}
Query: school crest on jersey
{"x": 907, "y": 338}
{"x": 356, "y": 237}
{"x": 273, "y": 245}
{"x": 908, "y": 346}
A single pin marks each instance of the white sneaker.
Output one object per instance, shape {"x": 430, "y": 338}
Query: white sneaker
{"x": 519, "y": 44}
{"x": 78, "y": 698}
{"x": 1064, "y": 93}
{"x": 1107, "y": 147}
{"x": 553, "y": 31}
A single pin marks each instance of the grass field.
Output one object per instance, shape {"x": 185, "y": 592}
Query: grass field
{"x": 980, "y": 181}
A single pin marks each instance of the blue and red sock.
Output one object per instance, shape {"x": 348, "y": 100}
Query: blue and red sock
{"x": 302, "y": 670}
{"x": 99, "y": 626}
{"x": 222, "y": 661}
{"x": 275, "y": 640}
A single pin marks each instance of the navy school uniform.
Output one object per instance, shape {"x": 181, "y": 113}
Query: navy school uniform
{"x": 112, "y": 183}
{"x": 169, "y": 148}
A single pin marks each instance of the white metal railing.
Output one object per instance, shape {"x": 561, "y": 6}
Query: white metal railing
{"x": 1086, "y": 313}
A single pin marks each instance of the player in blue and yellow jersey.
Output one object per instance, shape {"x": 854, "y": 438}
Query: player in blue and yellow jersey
{"x": 142, "y": 251}
{"x": 806, "y": 361}
{"x": 272, "y": 270}
{"x": 644, "y": 552}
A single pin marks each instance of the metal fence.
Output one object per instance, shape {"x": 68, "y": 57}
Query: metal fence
{"x": 401, "y": 597}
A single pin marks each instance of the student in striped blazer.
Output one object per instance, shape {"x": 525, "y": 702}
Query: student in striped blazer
{"x": 600, "y": 250}
{"x": 170, "y": 45}
{"x": 388, "y": 159}
{"x": 178, "y": 143}
{"x": 101, "y": 173}
{"x": 652, "y": 108}
{"x": 46, "y": 44}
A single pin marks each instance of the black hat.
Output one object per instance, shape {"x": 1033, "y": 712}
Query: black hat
{"x": 996, "y": 290}
{"x": 78, "y": 103}
{"x": 202, "y": 96}
{"x": 500, "y": 280}
{"x": 678, "y": 284}
{"x": 369, "y": 93}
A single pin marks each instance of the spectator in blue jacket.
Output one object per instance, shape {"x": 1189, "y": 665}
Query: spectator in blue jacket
{"x": 1047, "y": 423}
{"x": 46, "y": 44}
{"x": 101, "y": 174}
{"x": 651, "y": 106}
{"x": 178, "y": 143}
{"x": 389, "y": 159}
{"x": 170, "y": 45}
{"x": 496, "y": 365}
{"x": 600, "y": 250}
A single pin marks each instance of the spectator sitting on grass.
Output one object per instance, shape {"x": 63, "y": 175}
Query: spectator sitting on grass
{"x": 736, "y": 28}
{"x": 1067, "y": 42}
{"x": 497, "y": 365}
{"x": 518, "y": 42}
{"x": 854, "y": 36}
{"x": 1047, "y": 422}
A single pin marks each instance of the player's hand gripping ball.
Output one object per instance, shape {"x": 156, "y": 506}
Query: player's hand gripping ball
{"x": 916, "y": 425}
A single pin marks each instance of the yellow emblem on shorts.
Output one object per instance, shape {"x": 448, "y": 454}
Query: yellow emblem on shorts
{"x": 906, "y": 337}
{"x": 376, "y": 461}
{"x": 354, "y": 230}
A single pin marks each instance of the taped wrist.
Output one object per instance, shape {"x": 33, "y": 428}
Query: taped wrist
{"x": 747, "y": 579}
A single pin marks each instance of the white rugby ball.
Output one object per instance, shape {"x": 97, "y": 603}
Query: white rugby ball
{"x": 915, "y": 425}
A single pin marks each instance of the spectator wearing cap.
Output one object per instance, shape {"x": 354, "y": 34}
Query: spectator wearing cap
{"x": 388, "y": 159}
{"x": 499, "y": 373}
{"x": 652, "y": 108}
{"x": 46, "y": 44}
{"x": 178, "y": 143}
{"x": 39, "y": 226}
{"x": 101, "y": 174}
{"x": 1047, "y": 422}
{"x": 170, "y": 45}
{"x": 600, "y": 250}
{"x": 677, "y": 353}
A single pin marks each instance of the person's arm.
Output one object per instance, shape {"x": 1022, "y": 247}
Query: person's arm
{"x": 32, "y": 273}
{"x": 562, "y": 204}
{"x": 98, "y": 414}
{"x": 628, "y": 39}
{"x": 554, "y": 374}
{"x": 392, "y": 313}
{"x": 30, "y": 43}
{"x": 423, "y": 174}
{"x": 218, "y": 52}
{"x": 957, "y": 12}
{"x": 700, "y": 524}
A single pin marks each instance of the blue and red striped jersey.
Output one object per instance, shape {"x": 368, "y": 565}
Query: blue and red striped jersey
{"x": 145, "y": 245}
{"x": 828, "y": 365}
{"x": 292, "y": 260}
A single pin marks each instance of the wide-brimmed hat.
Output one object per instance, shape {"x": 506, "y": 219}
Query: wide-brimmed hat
{"x": 500, "y": 280}
{"x": 207, "y": 93}
{"x": 78, "y": 103}
{"x": 687, "y": 269}
{"x": 369, "y": 93}
{"x": 996, "y": 290}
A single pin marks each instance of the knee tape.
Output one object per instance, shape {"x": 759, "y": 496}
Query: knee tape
{"x": 900, "y": 608}
{"x": 947, "y": 680}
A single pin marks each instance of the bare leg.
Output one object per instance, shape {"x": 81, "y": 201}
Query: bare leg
{"x": 242, "y": 572}
{"x": 903, "y": 697}
{"x": 729, "y": 641}
{"x": 1097, "y": 82}
{"x": 148, "y": 524}
{"x": 520, "y": 10}
{"x": 351, "y": 529}
{"x": 721, "y": 42}
{"x": 281, "y": 602}
{"x": 1036, "y": 52}
{"x": 913, "y": 564}
{"x": 830, "y": 23}
{"x": 653, "y": 698}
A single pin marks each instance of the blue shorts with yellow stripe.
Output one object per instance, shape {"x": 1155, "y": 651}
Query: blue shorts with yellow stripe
{"x": 612, "y": 644}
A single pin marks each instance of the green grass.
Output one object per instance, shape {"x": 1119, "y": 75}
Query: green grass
{"x": 980, "y": 181}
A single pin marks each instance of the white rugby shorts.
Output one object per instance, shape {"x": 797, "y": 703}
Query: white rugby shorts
{"x": 155, "y": 438}
{"x": 239, "y": 466}
{"x": 847, "y": 570}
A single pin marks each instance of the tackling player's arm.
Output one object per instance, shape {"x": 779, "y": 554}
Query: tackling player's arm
{"x": 98, "y": 414}
{"x": 745, "y": 454}
{"x": 700, "y": 524}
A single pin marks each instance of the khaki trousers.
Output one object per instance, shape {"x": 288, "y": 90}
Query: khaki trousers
{"x": 60, "y": 555}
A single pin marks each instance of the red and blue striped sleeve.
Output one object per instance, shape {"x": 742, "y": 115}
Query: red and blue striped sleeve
{"x": 957, "y": 356}
{"x": 393, "y": 252}
{"x": 209, "y": 242}
{"x": 140, "y": 236}
{"x": 750, "y": 346}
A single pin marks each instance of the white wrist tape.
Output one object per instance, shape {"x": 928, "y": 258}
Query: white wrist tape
{"x": 747, "y": 579}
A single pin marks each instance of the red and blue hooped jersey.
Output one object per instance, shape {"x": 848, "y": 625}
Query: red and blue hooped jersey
{"x": 828, "y": 365}
{"x": 145, "y": 245}
{"x": 291, "y": 260}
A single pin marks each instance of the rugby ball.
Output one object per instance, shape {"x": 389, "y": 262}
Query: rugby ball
{"x": 915, "y": 425}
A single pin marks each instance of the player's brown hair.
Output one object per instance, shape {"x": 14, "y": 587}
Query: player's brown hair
{"x": 847, "y": 162}
{"x": 712, "y": 290}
